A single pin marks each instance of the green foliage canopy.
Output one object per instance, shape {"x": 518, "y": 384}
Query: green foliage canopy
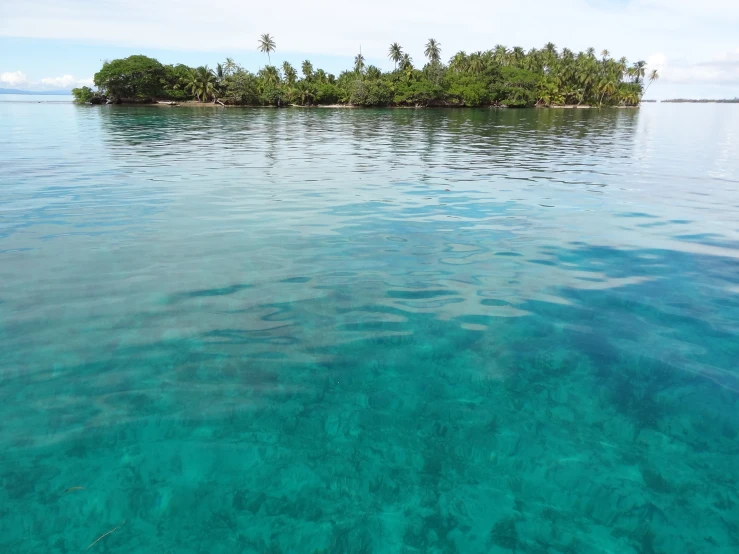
{"x": 497, "y": 77}
{"x": 83, "y": 94}
{"x": 132, "y": 78}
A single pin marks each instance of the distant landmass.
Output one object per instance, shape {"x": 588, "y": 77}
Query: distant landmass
{"x": 42, "y": 92}
{"x": 702, "y": 101}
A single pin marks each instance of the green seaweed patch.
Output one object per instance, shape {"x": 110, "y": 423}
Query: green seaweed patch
{"x": 654, "y": 481}
{"x": 504, "y": 534}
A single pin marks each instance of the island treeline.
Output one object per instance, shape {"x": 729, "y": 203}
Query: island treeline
{"x": 497, "y": 77}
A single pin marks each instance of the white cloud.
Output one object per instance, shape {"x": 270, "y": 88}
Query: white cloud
{"x": 721, "y": 69}
{"x": 13, "y": 79}
{"x": 65, "y": 82}
{"x": 687, "y": 37}
{"x": 715, "y": 77}
{"x": 626, "y": 27}
{"x": 19, "y": 80}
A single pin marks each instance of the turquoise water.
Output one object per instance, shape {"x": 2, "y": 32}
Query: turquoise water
{"x": 37, "y": 98}
{"x": 347, "y": 331}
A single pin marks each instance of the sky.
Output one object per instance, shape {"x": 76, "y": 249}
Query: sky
{"x": 60, "y": 44}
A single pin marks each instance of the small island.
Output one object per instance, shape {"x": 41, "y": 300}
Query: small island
{"x": 500, "y": 77}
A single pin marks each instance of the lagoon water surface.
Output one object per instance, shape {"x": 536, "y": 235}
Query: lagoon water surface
{"x": 357, "y": 331}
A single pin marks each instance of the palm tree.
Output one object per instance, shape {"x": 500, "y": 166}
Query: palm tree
{"x": 270, "y": 74}
{"x": 305, "y": 93}
{"x": 290, "y": 74}
{"x": 517, "y": 55}
{"x": 358, "y": 63}
{"x": 220, "y": 76}
{"x": 629, "y": 94}
{"x": 585, "y": 76}
{"x": 500, "y": 54}
{"x": 267, "y": 45}
{"x": 622, "y": 63}
{"x": 373, "y": 72}
{"x": 533, "y": 60}
{"x": 549, "y": 57}
{"x": 307, "y": 69}
{"x": 201, "y": 82}
{"x": 406, "y": 62}
{"x": 406, "y": 66}
{"x": 653, "y": 76}
{"x": 395, "y": 53}
{"x": 604, "y": 54}
{"x": 476, "y": 64}
{"x": 192, "y": 83}
{"x": 639, "y": 71}
{"x": 606, "y": 87}
{"x": 459, "y": 62}
{"x": 229, "y": 67}
{"x": 270, "y": 84}
{"x": 433, "y": 50}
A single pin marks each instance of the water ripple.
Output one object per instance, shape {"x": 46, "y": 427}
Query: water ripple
{"x": 369, "y": 331}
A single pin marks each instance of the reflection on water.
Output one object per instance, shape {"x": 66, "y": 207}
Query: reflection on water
{"x": 369, "y": 331}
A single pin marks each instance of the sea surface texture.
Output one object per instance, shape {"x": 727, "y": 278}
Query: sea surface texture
{"x": 358, "y": 331}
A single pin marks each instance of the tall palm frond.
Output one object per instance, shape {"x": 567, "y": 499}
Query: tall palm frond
{"x": 433, "y": 50}
{"x": 267, "y": 45}
{"x": 395, "y": 53}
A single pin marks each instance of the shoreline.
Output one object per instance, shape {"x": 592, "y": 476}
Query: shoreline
{"x": 197, "y": 104}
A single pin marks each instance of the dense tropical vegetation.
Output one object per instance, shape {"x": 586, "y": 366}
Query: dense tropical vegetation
{"x": 497, "y": 77}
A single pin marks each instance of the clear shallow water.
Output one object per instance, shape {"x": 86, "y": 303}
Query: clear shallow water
{"x": 278, "y": 331}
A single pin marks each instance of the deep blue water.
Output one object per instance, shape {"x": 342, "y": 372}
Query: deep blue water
{"x": 355, "y": 331}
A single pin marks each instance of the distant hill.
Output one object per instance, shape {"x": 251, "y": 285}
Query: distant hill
{"x": 42, "y": 92}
